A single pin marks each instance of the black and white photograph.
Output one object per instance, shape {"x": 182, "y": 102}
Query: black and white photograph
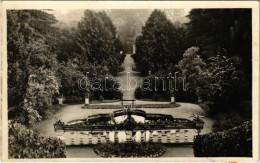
{"x": 153, "y": 82}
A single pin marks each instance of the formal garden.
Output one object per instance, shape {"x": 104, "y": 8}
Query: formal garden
{"x": 209, "y": 49}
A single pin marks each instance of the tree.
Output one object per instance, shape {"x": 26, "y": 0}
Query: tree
{"x": 157, "y": 49}
{"x": 90, "y": 47}
{"x": 29, "y": 54}
{"x": 42, "y": 85}
{"x": 24, "y": 143}
{"x": 225, "y": 80}
{"x": 129, "y": 25}
{"x": 231, "y": 29}
{"x": 211, "y": 29}
{"x": 194, "y": 71}
{"x": 96, "y": 39}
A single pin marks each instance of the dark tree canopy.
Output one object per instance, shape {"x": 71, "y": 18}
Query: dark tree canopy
{"x": 45, "y": 62}
{"x": 228, "y": 29}
{"x": 97, "y": 42}
{"x": 231, "y": 29}
{"x": 29, "y": 53}
{"x": 159, "y": 47}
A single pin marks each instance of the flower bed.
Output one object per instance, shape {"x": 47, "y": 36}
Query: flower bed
{"x": 134, "y": 106}
{"x": 130, "y": 149}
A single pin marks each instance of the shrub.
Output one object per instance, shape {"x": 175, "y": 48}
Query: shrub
{"x": 130, "y": 149}
{"x": 139, "y": 93}
{"x": 109, "y": 94}
{"x": 24, "y": 143}
{"x": 74, "y": 99}
{"x": 236, "y": 142}
{"x": 225, "y": 121}
{"x": 42, "y": 85}
{"x": 101, "y": 98}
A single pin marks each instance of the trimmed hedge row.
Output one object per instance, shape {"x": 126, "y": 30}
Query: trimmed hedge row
{"x": 134, "y": 106}
{"x": 236, "y": 142}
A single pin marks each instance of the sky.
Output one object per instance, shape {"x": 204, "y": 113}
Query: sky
{"x": 65, "y": 11}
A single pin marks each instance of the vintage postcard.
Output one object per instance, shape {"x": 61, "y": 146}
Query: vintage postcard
{"x": 130, "y": 81}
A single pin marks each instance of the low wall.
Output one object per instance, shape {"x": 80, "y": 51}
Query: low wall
{"x": 95, "y": 137}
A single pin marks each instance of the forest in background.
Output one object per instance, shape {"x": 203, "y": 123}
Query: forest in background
{"x": 128, "y": 22}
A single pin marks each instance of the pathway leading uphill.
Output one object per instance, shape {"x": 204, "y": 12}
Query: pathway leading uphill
{"x": 130, "y": 79}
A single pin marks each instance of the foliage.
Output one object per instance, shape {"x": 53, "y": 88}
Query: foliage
{"x": 42, "y": 85}
{"x": 24, "y": 143}
{"x": 160, "y": 45}
{"x": 44, "y": 61}
{"x": 236, "y": 142}
{"x": 129, "y": 25}
{"x": 225, "y": 121}
{"x": 220, "y": 41}
{"x": 140, "y": 94}
{"x": 130, "y": 149}
{"x": 225, "y": 80}
{"x": 69, "y": 76}
{"x": 109, "y": 90}
{"x": 162, "y": 87}
{"x": 101, "y": 98}
{"x": 221, "y": 28}
{"x": 31, "y": 64}
{"x": 229, "y": 29}
{"x": 194, "y": 71}
{"x": 217, "y": 79}
{"x": 90, "y": 47}
{"x": 97, "y": 42}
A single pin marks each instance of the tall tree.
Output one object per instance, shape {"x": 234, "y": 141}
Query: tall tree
{"x": 196, "y": 75}
{"x": 229, "y": 29}
{"x": 29, "y": 53}
{"x": 157, "y": 49}
{"x": 96, "y": 39}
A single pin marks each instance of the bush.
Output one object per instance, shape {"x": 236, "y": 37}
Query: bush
{"x": 101, "y": 98}
{"x": 140, "y": 94}
{"x": 225, "y": 121}
{"x": 24, "y": 143}
{"x": 236, "y": 142}
{"x": 109, "y": 94}
{"x": 184, "y": 96}
{"x": 130, "y": 149}
{"x": 74, "y": 99}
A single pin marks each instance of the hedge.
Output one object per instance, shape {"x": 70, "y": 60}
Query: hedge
{"x": 134, "y": 106}
{"x": 236, "y": 142}
{"x": 24, "y": 143}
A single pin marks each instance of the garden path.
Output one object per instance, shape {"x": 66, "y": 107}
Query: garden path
{"x": 130, "y": 79}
